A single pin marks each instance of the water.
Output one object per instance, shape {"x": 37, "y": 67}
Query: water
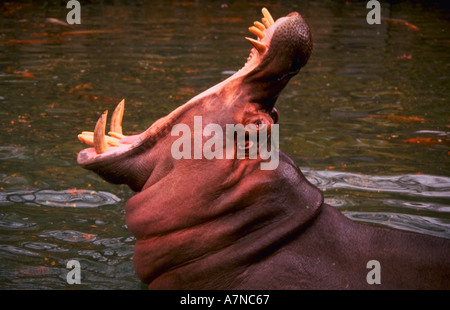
{"x": 351, "y": 119}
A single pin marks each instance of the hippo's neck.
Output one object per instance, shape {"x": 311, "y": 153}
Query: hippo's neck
{"x": 193, "y": 232}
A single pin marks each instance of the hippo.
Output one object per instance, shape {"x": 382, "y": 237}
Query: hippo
{"x": 221, "y": 222}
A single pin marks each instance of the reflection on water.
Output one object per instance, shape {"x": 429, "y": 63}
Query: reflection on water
{"x": 409, "y": 202}
{"x": 44, "y": 229}
{"x": 66, "y": 198}
{"x": 367, "y": 117}
{"x": 412, "y": 185}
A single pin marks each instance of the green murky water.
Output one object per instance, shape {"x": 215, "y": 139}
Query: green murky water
{"x": 367, "y": 120}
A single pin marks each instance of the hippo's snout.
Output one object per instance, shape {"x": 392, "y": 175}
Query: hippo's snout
{"x": 287, "y": 48}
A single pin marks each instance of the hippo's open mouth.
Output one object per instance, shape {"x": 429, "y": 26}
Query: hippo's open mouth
{"x": 281, "y": 48}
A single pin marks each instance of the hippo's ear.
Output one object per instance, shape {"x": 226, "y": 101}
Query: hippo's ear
{"x": 262, "y": 118}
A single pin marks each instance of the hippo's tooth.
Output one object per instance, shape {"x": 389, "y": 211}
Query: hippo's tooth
{"x": 259, "y": 26}
{"x": 100, "y": 144}
{"x": 265, "y": 22}
{"x": 116, "y": 135}
{"x": 268, "y": 17}
{"x": 116, "y": 119}
{"x": 260, "y": 47}
{"x": 112, "y": 141}
{"x": 256, "y": 32}
{"x": 88, "y": 138}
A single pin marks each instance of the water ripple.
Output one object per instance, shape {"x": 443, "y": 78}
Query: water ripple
{"x": 421, "y": 200}
{"x": 9, "y": 251}
{"x": 44, "y": 246}
{"x": 421, "y": 224}
{"x": 10, "y": 152}
{"x": 13, "y": 224}
{"x": 411, "y": 184}
{"x": 64, "y": 198}
{"x": 69, "y": 235}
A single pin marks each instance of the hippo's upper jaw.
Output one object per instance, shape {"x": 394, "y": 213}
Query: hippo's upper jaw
{"x": 282, "y": 47}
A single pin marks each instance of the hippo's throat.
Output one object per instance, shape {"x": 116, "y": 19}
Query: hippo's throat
{"x": 216, "y": 223}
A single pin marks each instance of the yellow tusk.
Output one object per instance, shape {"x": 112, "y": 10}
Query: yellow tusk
{"x": 268, "y": 16}
{"x": 116, "y": 119}
{"x": 116, "y": 135}
{"x": 112, "y": 141}
{"x": 265, "y": 22}
{"x": 100, "y": 144}
{"x": 87, "y": 139}
{"x": 259, "y": 26}
{"x": 256, "y": 32}
{"x": 260, "y": 47}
